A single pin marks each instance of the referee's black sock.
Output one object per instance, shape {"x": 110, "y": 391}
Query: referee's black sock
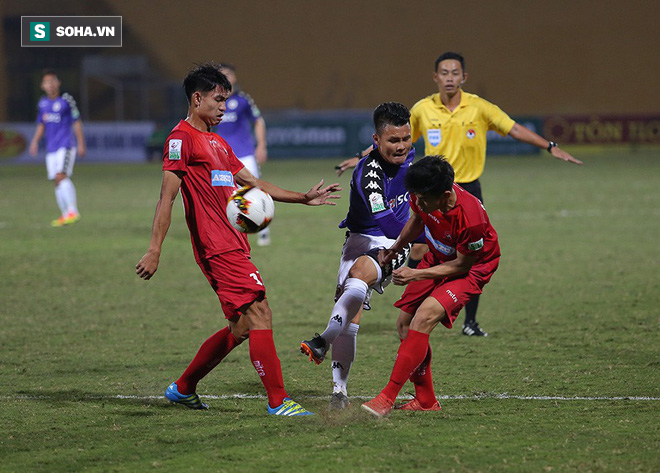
{"x": 412, "y": 263}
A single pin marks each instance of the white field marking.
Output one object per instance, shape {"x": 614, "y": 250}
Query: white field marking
{"x": 443, "y": 397}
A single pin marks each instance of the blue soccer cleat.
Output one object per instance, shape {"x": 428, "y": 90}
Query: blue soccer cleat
{"x": 191, "y": 401}
{"x": 289, "y": 408}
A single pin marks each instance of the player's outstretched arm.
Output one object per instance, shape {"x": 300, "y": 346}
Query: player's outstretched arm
{"x": 317, "y": 195}
{"x": 524, "y": 134}
{"x": 148, "y": 264}
{"x": 352, "y": 162}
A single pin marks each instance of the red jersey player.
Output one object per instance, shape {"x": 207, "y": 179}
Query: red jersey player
{"x": 464, "y": 255}
{"x": 205, "y": 168}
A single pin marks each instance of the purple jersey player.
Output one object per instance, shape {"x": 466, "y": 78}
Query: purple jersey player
{"x": 378, "y": 212}
{"x": 241, "y": 116}
{"x": 58, "y": 121}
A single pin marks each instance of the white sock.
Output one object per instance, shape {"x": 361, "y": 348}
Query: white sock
{"x": 70, "y": 195}
{"x": 343, "y": 354}
{"x": 60, "y": 198}
{"x": 347, "y": 307}
{"x": 265, "y": 233}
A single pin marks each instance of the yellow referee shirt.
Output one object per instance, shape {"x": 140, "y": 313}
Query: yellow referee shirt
{"x": 459, "y": 135}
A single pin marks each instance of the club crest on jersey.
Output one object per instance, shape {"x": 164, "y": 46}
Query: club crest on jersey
{"x": 174, "y": 150}
{"x": 437, "y": 244}
{"x": 376, "y": 202}
{"x": 232, "y": 103}
{"x": 470, "y": 133}
{"x": 434, "y": 136}
{"x": 222, "y": 178}
{"x": 57, "y": 106}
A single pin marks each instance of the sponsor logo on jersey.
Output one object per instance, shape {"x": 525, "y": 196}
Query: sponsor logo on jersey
{"x": 476, "y": 245}
{"x": 438, "y": 245}
{"x": 470, "y": 133}
{"x": 372, "y": 174}
{"x": 374, "y": 164}
{"x": 376, "y": 202}
{"x": 373, "y": 185}
{"x": 175, "y": 150}
{"x": 222, "y": 178}
{"x": 399, "y": 200}
{"x": 434, "y": 136}
{"x": 51, "y": 118}
{"x": 229, "y": 117}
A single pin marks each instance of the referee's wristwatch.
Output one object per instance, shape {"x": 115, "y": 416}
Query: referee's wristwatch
{"x": 551, "y": 144}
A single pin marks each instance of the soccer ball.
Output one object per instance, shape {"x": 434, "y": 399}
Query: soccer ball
{"x": 250, "y": 209}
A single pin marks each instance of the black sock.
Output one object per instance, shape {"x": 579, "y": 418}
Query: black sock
{"x": 471, "y": 310}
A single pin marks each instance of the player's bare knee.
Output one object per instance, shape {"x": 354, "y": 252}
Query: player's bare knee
{"x": 426, "y": 318}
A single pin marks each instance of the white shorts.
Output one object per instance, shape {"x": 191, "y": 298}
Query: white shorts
{"x": 250, "y": 162}
{"x": 61, "y": 160}
{"x": 356, "y": 245}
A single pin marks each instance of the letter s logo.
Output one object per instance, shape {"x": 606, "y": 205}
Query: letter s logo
{"x": 39, "y": 31}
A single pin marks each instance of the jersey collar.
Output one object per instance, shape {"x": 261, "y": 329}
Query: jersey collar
{"x": 438, "y": 101}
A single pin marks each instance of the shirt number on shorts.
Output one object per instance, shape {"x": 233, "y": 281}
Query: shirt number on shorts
{"x": 257, "y": 278}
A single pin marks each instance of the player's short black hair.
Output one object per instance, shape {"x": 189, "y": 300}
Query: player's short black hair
{"x": 48, "y": 72}
{"x": 205, "y": 77}
{"x": 431, "y": 175}
{"x": 450, "y": 55}
{"x": 390, "y": 113}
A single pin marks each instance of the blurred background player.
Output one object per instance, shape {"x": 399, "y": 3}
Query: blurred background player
{"x": 241, "y": 117}
{"x": 377, "y": 213}
{"x": 203, "y": 166}
{"x": 58, "y": 120}
{"x": 453, "y": 124}
{"x": 464, "y": 254}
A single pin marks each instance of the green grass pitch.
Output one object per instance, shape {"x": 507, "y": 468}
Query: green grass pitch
{"x": 88, "y": 348}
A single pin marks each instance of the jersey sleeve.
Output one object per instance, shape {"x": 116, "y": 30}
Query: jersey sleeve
{"x": 474, "y": 231}
{"x": 497, "y": 120}
{"x": 254, "y": 111}
{"x": 40, "y": 118}
{"x": 177, "y": 151}
{"x": 75, "y": 113}
{"x": 415, "y": 122}
{"x": 235, "y": 164}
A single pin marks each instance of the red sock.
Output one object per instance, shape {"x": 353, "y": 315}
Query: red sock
{"x": 424, "y": 381}
{"x": 410, "y": 355}
{"x": 209, "y": 355}
{"x": 265, "y": 361}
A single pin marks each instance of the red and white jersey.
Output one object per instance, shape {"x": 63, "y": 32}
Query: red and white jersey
{"x": 209, "y": 166}
{"x": 465, "y": 228}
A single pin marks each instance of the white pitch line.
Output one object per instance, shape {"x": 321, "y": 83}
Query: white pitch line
{"x": 443, "y": 397}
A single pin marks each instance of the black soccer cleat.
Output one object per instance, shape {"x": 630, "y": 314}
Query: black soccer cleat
{"x": 315, "y": 349}
{"x": 473, "y": 330}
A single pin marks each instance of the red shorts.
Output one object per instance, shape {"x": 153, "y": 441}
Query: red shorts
{"x": 451, "y": 293}
{"x": 234, "y": 279}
